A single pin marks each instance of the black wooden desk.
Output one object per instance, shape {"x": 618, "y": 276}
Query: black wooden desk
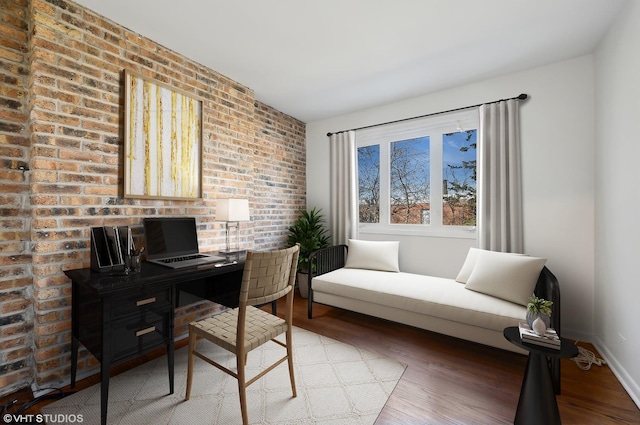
{"x": 118, "y": 317}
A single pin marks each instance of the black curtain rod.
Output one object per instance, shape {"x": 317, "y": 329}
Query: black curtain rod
{"x": 522, "y": 96}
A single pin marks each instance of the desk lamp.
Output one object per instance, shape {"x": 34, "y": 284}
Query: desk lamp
{"x": 232, "y": 211}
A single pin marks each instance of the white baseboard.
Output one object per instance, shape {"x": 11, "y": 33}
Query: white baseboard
{"x": 619, "y": 371}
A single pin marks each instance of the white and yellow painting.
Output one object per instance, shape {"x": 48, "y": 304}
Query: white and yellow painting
{"x": 163, "y": 141}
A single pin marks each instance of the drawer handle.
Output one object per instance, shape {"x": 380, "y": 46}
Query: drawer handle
{"x": 146, "y": 301}
{"x": 145, "y": 331}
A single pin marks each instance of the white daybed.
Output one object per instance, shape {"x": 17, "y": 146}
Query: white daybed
{"x": 489, "y": 294}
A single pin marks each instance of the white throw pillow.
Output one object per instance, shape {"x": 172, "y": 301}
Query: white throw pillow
{"x": 467, "y": 267}
{"x": 373, "y": 255}
{"x": 506, "y": 276}
{"x": 470, "y": 262}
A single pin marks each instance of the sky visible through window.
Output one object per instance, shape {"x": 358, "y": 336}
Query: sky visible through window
{"x": 408, "y": 175}
{"x": 459, "y": 149}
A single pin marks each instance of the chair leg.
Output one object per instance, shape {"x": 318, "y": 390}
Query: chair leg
{"x": 242, "y": 388}
{"x": 290, "y": 362}
{"x": 192, "y": 348}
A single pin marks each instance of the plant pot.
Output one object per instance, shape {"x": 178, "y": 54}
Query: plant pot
{"x": 531, "y": 317}
{"x": 303, "y": 284}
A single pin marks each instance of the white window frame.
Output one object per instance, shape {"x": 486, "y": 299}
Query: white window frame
{"x": 433, "y": 127}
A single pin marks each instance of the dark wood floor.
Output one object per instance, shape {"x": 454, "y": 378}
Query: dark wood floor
{"x": 450, "y": 381}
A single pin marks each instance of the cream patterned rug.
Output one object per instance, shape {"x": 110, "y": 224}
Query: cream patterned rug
{"x": 337, "y": 384}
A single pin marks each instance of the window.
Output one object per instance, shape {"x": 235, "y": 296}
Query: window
{"x": 419, "y": 176}
{"x": 459, "y": 178}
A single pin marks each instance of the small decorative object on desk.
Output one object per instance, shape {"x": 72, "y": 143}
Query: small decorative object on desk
{"x": 539, "y": 307}
{"x": 133, "y": 260}
{"x": 550, "y": 339}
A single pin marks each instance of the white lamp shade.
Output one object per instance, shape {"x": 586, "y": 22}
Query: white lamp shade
{"x": 232, "y": 210}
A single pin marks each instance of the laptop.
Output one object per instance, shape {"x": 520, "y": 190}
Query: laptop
{"x": 173, "y": 242}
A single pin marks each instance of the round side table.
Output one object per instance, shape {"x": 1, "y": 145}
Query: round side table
{"x": 537, "y": 403}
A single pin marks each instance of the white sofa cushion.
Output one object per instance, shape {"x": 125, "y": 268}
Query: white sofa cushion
{"x": 373, "y": 255}
{"x": 467, "y": 267}
{"x": 470, "y": 262}
{"x": 507, "y": 276}
{"x": 428, "y": 295}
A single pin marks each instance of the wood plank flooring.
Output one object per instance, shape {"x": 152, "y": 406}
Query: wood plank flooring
{"x": 447, "y": 380}
{"x": 450, "y": 381}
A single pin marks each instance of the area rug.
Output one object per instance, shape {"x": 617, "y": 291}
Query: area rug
{"x": 337, "y": 384}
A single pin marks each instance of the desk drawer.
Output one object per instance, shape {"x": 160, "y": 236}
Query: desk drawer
{"x": 136, "y": 334}
{"x": 141, "y": 300}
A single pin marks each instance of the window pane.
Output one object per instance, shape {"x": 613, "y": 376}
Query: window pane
{"x": 459, "y": 174}
{"x": 369, "y": 183}
{"x": 409, "y": 181}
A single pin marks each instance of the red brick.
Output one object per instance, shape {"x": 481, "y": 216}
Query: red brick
{"x": 47, "y": 354}
{"x": 14, "y": 306}
{"x": 8, "y": 343}
{"x": 10, "y": 331}
{"x": 52, "y": 328}
{"x": 20, "y": 353}
{"x": 15, "y": 380}
{"x": 18, "y": 282}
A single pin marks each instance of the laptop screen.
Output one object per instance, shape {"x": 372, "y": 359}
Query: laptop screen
{"x": 170, "y": 237}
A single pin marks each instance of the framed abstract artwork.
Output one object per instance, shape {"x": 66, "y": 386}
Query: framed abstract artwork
{"x": 162, "y": 141}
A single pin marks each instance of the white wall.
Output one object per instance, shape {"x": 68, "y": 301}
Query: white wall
{"x": 617, "y": 228}
{"x": 557, "y": 134}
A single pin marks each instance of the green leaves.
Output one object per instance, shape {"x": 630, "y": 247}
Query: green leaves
{"x": 539, "y": 305}
{"x": 309, "y": 231}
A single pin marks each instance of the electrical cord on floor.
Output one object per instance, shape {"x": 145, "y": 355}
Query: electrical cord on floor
{"x": 586, "y": 358}
{"x": 30, "y": 403}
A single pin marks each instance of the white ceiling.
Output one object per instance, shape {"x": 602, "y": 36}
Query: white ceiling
{"x": 319, "y": 59}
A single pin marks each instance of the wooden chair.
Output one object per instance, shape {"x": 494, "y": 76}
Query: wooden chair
{"x": 267, "y": 276}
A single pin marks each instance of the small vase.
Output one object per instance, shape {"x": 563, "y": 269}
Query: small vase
{"x": 531, "y": 316}
{"x": 539, "y": 327}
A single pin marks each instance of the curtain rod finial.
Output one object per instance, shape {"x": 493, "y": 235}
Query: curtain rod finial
{"x": 523, "y": 96}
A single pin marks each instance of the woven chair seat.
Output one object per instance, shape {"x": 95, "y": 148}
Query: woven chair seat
{"x": 221, "y": 329}
{"x": 267, "y": 276}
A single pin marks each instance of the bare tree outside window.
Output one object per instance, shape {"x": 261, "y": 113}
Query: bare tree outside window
{"x": 409, "y": 180}
{"x": 369, "y": 183}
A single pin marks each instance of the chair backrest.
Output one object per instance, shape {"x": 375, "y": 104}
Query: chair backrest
{"x": 268, "y": 275}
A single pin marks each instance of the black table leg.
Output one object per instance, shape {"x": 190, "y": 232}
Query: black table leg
{"x": 74, "y": 360}
{"x": 170, "y": 363}
{"x": 105, "y": 367}
{"x": 537, "y": 404}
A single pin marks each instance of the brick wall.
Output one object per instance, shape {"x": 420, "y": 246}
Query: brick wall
{"x": 16, "y": 308}
{"x": 75, "y": 104}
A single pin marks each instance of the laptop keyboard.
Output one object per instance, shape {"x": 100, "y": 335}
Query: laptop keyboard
{"x": 183, "y": 258}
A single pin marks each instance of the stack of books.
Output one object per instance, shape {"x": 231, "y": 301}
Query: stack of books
{"x": 550, "y": 339}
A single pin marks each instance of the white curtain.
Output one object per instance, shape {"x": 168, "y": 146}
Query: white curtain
{"x": 499, "y": 178}
{"x": 343, "y": 217}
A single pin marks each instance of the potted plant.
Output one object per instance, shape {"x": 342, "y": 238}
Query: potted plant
{"x": 309, "y": 231}
{"x": 539, "y": 307}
